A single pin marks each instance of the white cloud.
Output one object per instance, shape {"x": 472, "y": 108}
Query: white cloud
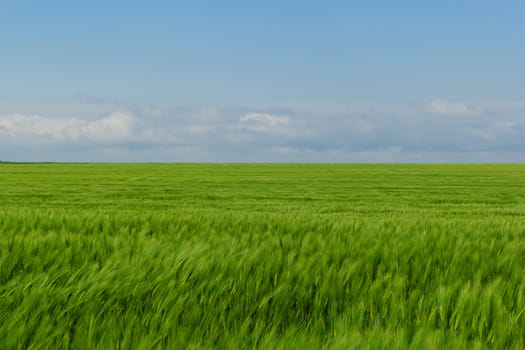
{"x": 455, "y": 108}
{"x": 265, "y": 122}
{"x": 117, "y": 127}
{"x": 266, "y": 119}
{"x": 352, "y": 132}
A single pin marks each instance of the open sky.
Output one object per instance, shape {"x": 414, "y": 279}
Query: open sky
{"x": 262, "y": 81}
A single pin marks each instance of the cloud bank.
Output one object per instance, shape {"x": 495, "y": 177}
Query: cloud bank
{"x": 117, "y": 127}
{"x": 434, "y": 131}
{"x": 455, "y": 108}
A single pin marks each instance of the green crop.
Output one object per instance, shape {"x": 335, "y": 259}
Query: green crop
{"x": 268, "y": 256}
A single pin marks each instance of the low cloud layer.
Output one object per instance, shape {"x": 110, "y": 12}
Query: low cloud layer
{"x": 455, "y": 108}
{"x": 117, "y": 127}
{"x": 265, "y": 122}
{"x": 433, "y": 131}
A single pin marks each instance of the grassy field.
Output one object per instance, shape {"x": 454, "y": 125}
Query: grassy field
{"x": 262, "y": 256}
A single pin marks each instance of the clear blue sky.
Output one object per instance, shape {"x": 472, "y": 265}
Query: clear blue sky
{"x": 262, "y": 80}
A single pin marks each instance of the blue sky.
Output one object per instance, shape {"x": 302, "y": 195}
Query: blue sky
{"x": 312, "y": 81}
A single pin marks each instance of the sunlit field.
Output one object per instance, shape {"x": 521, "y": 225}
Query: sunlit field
{"x": 269, "y": 256}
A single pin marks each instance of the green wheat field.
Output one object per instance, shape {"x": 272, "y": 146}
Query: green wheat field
{"x": 270, "y": 256}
